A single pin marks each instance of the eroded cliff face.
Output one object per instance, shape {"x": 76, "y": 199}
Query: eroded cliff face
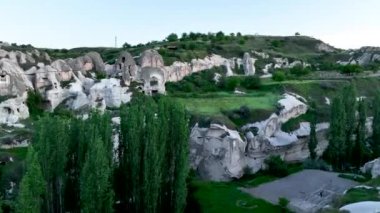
{"x": 220, "y": 154}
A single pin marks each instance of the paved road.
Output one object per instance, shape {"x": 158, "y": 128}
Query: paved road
{"x": 308, "y": 188}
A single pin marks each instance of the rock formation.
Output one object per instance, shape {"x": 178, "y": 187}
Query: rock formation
{"x": 92, "y": 61}
{"x": 153, "y": 79}
{"x": 151, "y": 58}
{"x": 13, "y": 80}
{"x": 220, "y": 154}
{"x": 126, "y": 65}
{"x": 13, "y": 110}
{"x": 372, "y": 167}
{"x": 249, "y": 64}
{"x": 108, "y": 92}
{"x": 217, "y": 152}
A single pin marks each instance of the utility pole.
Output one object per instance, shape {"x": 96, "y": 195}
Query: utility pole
{"x": 115, "y": 41}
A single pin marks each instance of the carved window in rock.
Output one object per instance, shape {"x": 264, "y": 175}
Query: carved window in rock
{"x": 153, "y": 82}
{"x": 3, "y": 78}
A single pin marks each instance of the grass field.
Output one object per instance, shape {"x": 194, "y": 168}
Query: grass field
{"x": 214, "y": 105}
{"x": 216, "y": 197}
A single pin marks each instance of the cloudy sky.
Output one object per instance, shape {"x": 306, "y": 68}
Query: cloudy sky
{"x": 75, "y": 23}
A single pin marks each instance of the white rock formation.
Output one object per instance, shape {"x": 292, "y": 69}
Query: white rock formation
{"x": 13, "y": 80}
{"x": 64, "y": 71}
{"x": 108, "y": 92}
{"x": 249, "y": 64}
{"x": 362, "y": 207}
{"x": 217, "y": 152}
{"x": 178, "y": 70}
{"x": 151, "y": 58}
{"x": 281, "y": 63}
{"x": 323, "y": 47}
{"x": 92, "y": 61}
{"x": 372, "y": 167}
{"x": 261, "y": 54}
{"x": 13, "y": 110}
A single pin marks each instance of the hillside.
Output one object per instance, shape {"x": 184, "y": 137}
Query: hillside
{"x": 197, "y": 45}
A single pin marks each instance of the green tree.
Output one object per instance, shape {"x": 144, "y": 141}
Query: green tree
{"x": 251, "y": 82}
{"x": 174, "y": 185}
{"x": 279, "y": 76}
{"x": 276, "y": 166}
{"x": 96, "y": 194}
{"x": 313, "y": 142}
{"x": 336, "y": 149}
{"x": 350, "y": 105}
{"x": 51, "y": 140}
{"x": 34, "y": 103}
{"x": 360, "y": 152}
{"x": 172, "y": 37}
{"x": 375, "y": 143}
{"x": 153, "y": 155}
{"x": 32, "y": 186}
{"x": 126, "y": 45}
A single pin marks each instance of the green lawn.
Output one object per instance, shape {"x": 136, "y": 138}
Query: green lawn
{"x": 227, "y": 197}
{"x": 214, "y": 105}
{"x": 358, "y": 195}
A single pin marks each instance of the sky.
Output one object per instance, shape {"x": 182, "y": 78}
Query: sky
{"x": 79, "y": 23}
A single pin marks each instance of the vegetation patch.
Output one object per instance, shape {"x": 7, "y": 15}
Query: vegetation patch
{"x": 226, "y": 197}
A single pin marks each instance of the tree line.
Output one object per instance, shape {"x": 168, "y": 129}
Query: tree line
{"x": 349, "y": 147}
{"x": 73, "y": 165}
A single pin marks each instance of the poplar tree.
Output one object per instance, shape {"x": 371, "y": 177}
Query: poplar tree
{"x": 350, "y": 104}
{"x": 153, "y": 155}
{"x": 375, "y": 143}
{"x": 51, "y": 140}
{"x": 336, "y": 149}
{"x": 313, "y": 142}
{"x": 32, "y": 186}
{"x": 95, "y": 187}
{"x": 360, "y": 151}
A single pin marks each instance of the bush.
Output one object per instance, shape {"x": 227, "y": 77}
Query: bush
{"x": 316, "y": 164}
{"x": 276, "y": 166}
{"x": 351, "y": 69}
{"x": 299, "y": 70}
{"x": 35, "y": 104}
{"x": 251, "y": 82}
{"x": 100, "y": 75}
{"x": 279, "y": 76}
{"x": 283, "y": 203}
{"x": 229, "y": 84}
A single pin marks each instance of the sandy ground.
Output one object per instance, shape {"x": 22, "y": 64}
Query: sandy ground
{"x": 307, "y": 190}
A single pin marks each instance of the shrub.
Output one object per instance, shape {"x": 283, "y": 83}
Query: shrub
{"x": 299, "y": 70}
{"x": 100, "y": 75}
{"x": 229, "y": 84}
{"x": 276, "y": 166}
{"x": 276, "y": 43}
{"x": 351, "y": 69}
{"x": 251, "y": 82}
{"x": 283, "y": 203}
{"x": 279, "y": 76}
{"x": 35, "y": 104}
{"x": 316, "y": 164}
